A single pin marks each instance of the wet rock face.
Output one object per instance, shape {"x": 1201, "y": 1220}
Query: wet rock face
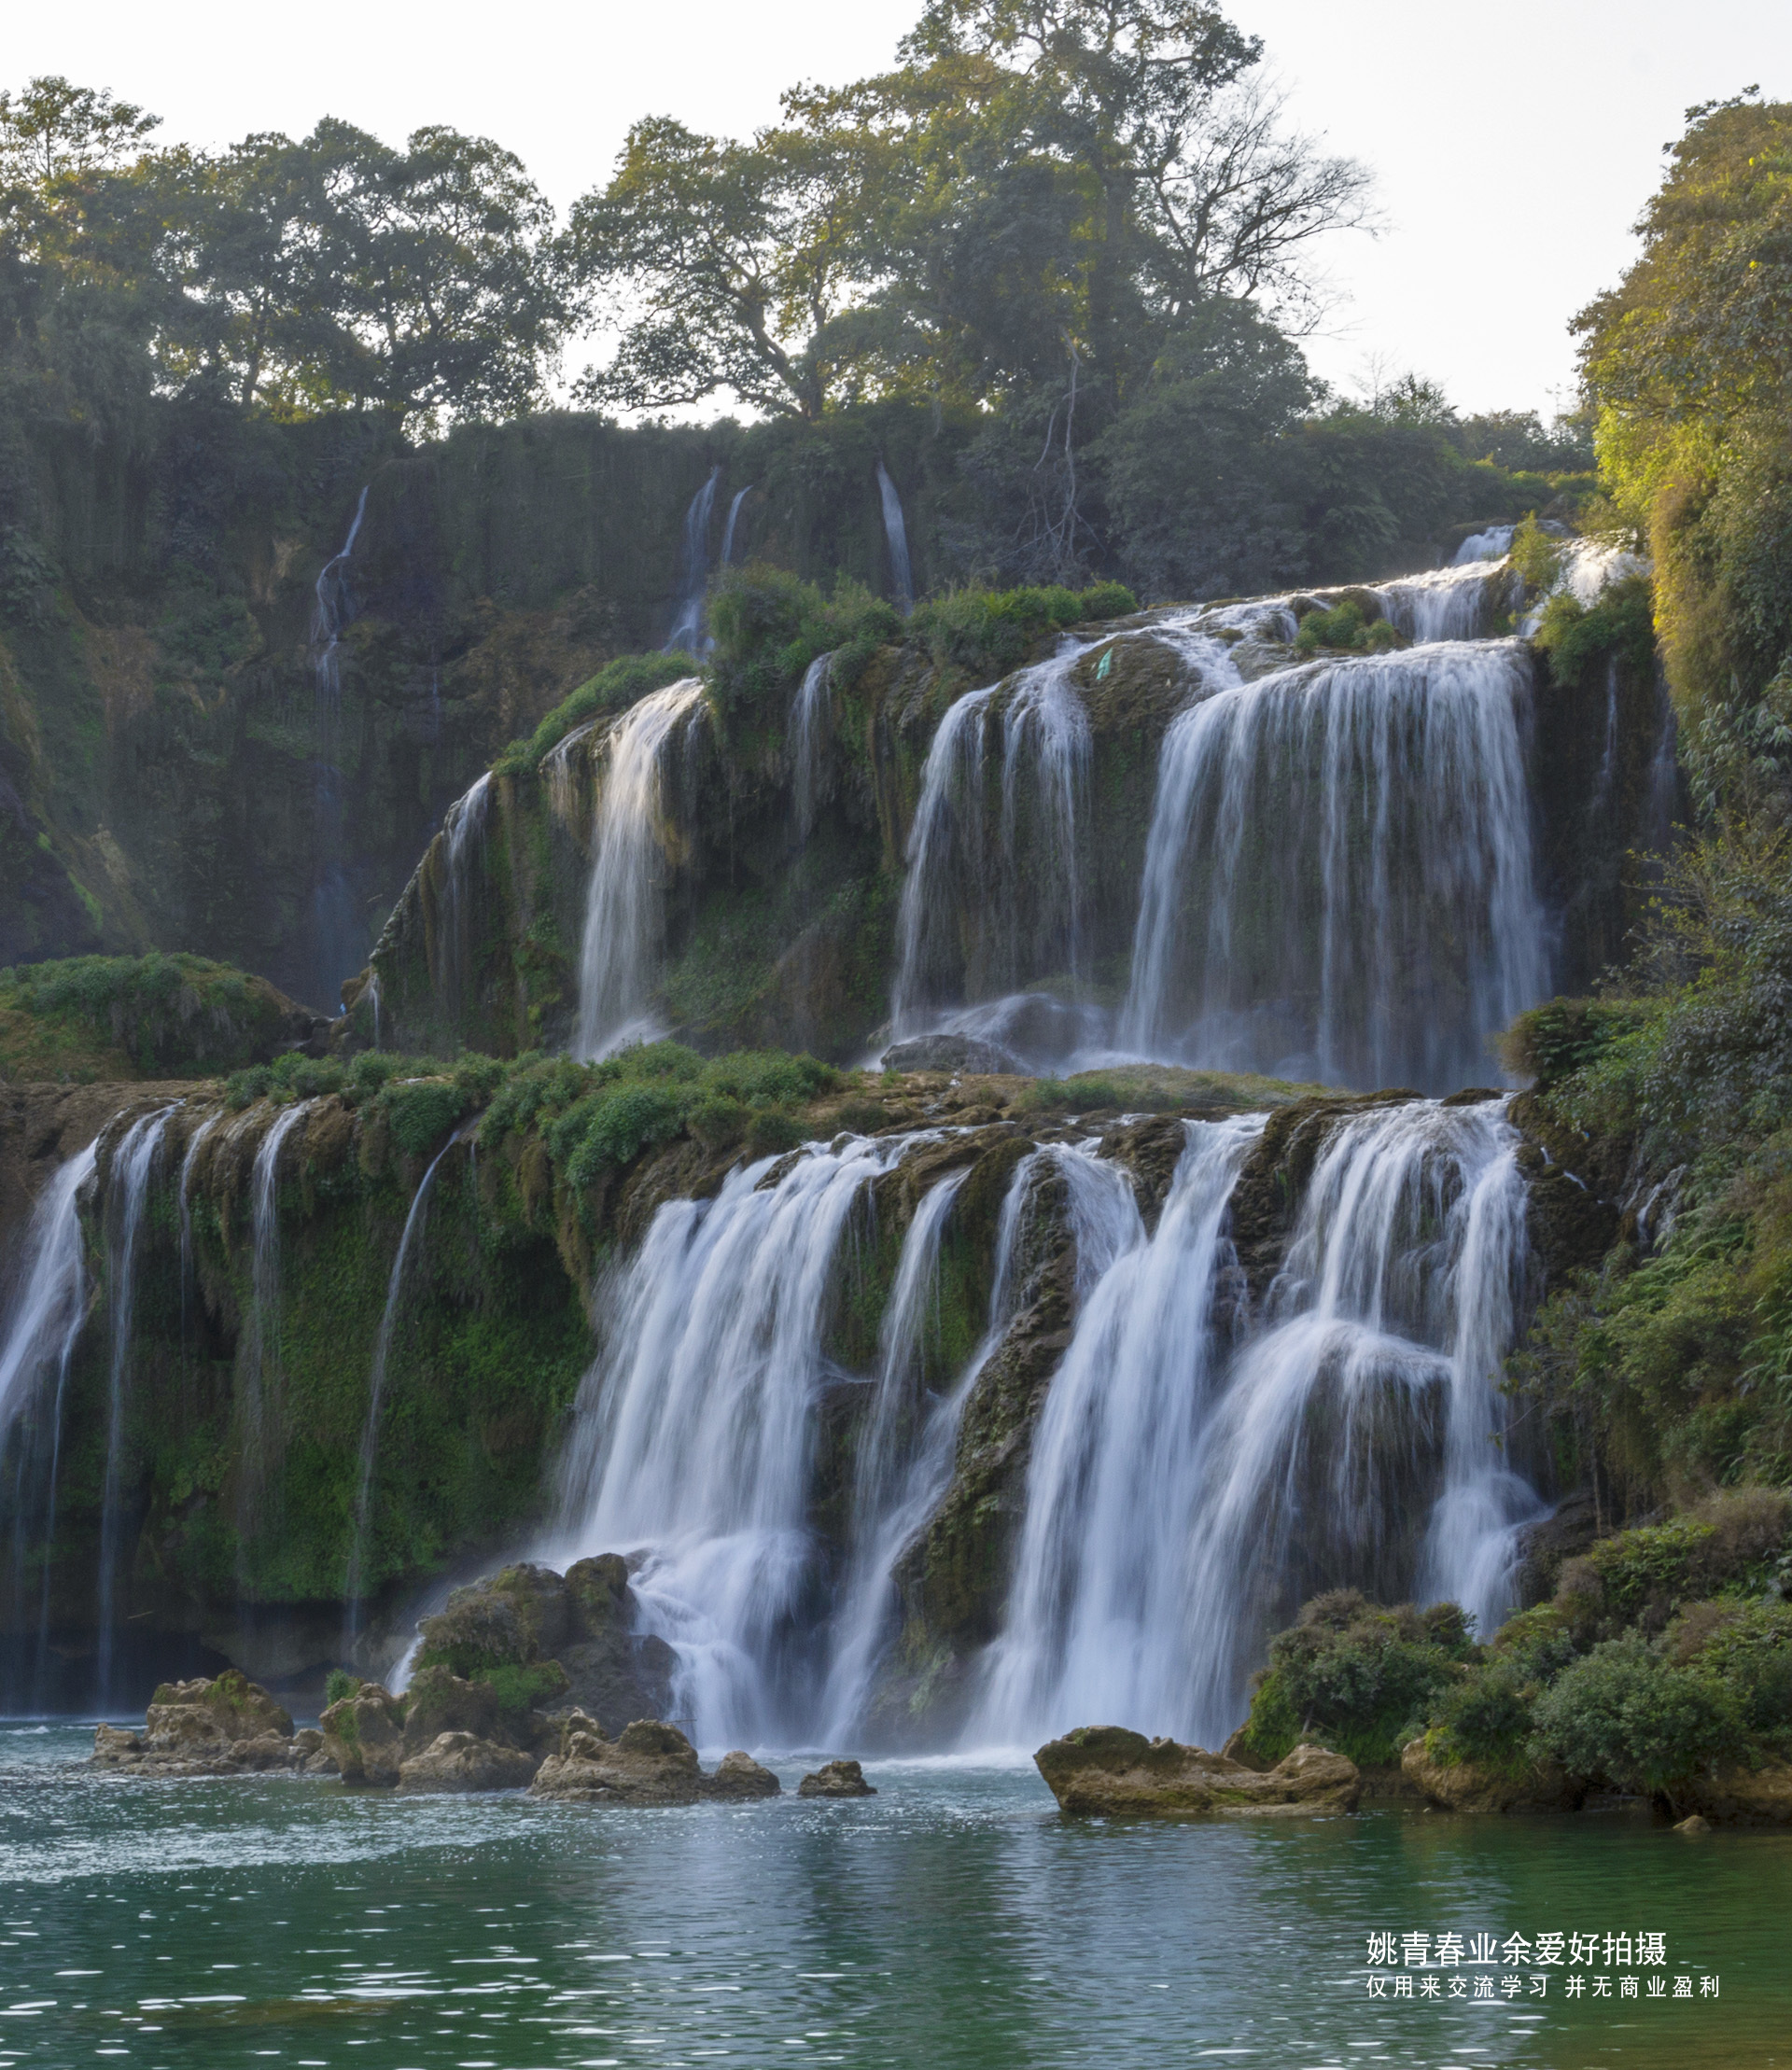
{"x": 948, "y": 1053}
{"x": 648, "y": 1763}
{"x": 836, "y": 1779}
{"x": 1105, "y": 1770}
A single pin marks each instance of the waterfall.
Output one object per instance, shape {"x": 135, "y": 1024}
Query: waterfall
{"x": 1494, "y": 544}
{"x": 127, "y": 1192}
{"x": 1097, "y": 1621}
{"x": 261, "y": 1363}
{"x": 38, "y": 1330}
{"x": 558, "y": 776}
{"x": 687, "y": 634}
{"x": 1359, "y": 1438}
{"x": 463, "y": 829}
{"x": 693, "y": 1430}
{"x": 337, "y": 936}
{"x": 977, "y": 925}
{"x": 1446, "y": 603}
{"x": 1337, "y": 880}
{"x": 618, "y": 958}
{"x": 414, "y": 1225}
{"x": 728, "y": 529}
{"x": 902, "y": 577}
{"x": 808, "y": 720}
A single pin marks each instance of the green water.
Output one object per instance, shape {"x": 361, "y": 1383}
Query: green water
{"x": 954, "y": 1920}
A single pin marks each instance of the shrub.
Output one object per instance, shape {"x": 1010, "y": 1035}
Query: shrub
{"x": 990, "y": 632}
{"x": 1622, "y": 1714}
{"x": 420, "y": 1112}
{"x": 522, "y": 1688}
{"x": 1485, "y": 1717}
{"x": 615, "y": 1126}
{"x": 719, "y": 1122}
{"x": 1746, "y": 1651}
{"x": 338, "y": 1684}
{"x": 1621, "y": 625}
{"x": 773, "y": 1134}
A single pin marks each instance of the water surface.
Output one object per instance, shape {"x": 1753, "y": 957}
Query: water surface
{"x": 954, "y": 1920}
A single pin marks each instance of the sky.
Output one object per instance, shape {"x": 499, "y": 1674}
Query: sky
{"x": 1513, "y": 145}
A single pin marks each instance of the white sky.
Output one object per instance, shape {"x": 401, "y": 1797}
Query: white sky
{"x": 1513, "y": 142}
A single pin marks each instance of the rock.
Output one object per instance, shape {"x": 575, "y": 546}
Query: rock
{"x": 364, "y": 1736}
{"x": 463, "y": 1761}
{"x": 439, "y": 1702}
{"x": 836, "y": 1779}
{"x": 648, "y": 1763}
{"x": 306, "y": 1741}
{"x": 949, "y": 1053}
{"x": 1693, "y": 1824}
{"x": 266, "y": 1749}
{"x": 1105, "y": 1769}
{"x": 1463, "y": 1787}
{"x": 738, "y": 1775}
{"x": 200, "y": 1718}
{"x": 1742, "y": 1796}
{"x": 114, "y": 1747}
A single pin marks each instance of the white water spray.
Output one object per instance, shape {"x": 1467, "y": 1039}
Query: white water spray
{"x": 688, "y": 635}
{"x": 902, "y": 576}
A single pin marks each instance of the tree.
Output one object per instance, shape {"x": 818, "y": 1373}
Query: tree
{"x": 53, "y": 130}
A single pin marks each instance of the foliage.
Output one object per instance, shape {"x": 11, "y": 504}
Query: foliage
{"x": 338, "y": 1684}
{"x": 1621, "y": 1714}
{"x": 1620, "y": 628}
{"x": 616, "y": 686}
{"x": 157, "y": 1016}
{"x": 1746, "y": 1650}
{"x": 1356, "y": 1676}
{"x": 990, "y": 632}
{"x": 1345, "y": 627}
{"x": 769, "y": 626}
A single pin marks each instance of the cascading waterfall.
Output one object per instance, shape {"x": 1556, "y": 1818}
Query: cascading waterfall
{"x": 1445, "y": 603}
{"x": 127, "y": 1195}
{"x": 338, "y": 947}
{"x": 1359, "y": 1440}
{"x": 184, "y": 1190}
{"x": 1337, "y": 881}
{"x": 902, "y": 576}
{"x": 41, "y": 1325}
{"x": 728, "y": 529}
{"x": 619, "y": 957}
{"x": 261, "y": 1374}
{"x": 688, "y": 635}
{"x": 1096, "y": 1627}
{"x": 463, "y": 830}
{"x": 978, "y": 927}
{"x": 1494, "y": 544}
{"x": 809, "y": 728}
{"x": 414, "y": 1228}
{"x": 693, "y": 1433}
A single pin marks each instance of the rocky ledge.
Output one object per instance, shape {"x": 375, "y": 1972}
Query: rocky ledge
{"x": 1105, "y": 1769}
{"x": 647, "y": 1763}
{"x": 1464, "y": 1786}
{"x": 227, "y": 1727}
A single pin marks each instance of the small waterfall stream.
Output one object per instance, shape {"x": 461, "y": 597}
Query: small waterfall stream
{"x": 688, "y": 635}
{"x": 260, "y": 1378}
{"x": 728, "y": 529}
{"x": 619, "y": 957}
{"x": 901, "y": 575}
{"x": 808, "y": 737}
{"x": 126, "y": 1197}
{"x": 337, "y": 946}
{"x": 463, "y": 829}
{"x": 414, "y": 1228}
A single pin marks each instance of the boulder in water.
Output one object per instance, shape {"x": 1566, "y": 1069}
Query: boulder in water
{"x": 1464, "y": 1786}
{"x": 464, "y": 1761}
{"x": 648, "y": 1763}
{"x": 836, "y": 1779}
{"x": 1106, "y": 1770}
{"x": 950, "y": 1053}
{"x": 364, "y": 1736}
{"x": 227, "y": 1726}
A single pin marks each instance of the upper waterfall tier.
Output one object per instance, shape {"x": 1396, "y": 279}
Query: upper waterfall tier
{"x": 1180, "y": 837}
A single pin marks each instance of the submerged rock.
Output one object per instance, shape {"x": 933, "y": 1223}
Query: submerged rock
{"x": 1465, "y": 1786}
{"x": 836, "y": 1779}
{"x": 463, "y": 1761}
{"x": 648, "y": 1763}
{"x": 1105, "y": 1769}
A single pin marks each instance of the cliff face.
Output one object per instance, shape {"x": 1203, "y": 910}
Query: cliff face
{"x": 178, "y": 769}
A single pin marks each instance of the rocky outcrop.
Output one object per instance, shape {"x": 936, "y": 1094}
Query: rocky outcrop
{"x": 836, "y": 1779}
{"x": 464, "y": 1761}
{"x": 225, "y": 1726}
{"x": 1466, "y": 1786}
{"x": 1740, "y": 1796}
{"x": 1105, "y": 1770}
{"x": 948, "y": 1053}
{"x": 364, "y": 1736}
{"x": 648, "y": 1763}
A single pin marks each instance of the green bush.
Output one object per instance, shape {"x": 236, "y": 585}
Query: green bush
{"x": 420, "y": 1112}
{"x": 521, "y": 1689}
{"x": 1749, "y": 1655}
{"x": 772, "y": 1134}
{"x": 719, "y": 1122}
{"x": 619, "y": 684}
{"x": 171, "y": 1015}
{"x": 1484, "y": 1718}
{"x": 1621, "y": 624}
{"x": 338, "y": 1684}
{"x": 609, "y": 1129}
{"x": 1358, "y": 1676}
{"x": 769, "y": 625}
{"x": 991, "y": 632}
{"x": 1622, "y": 1714}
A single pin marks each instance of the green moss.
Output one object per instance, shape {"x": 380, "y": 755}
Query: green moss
{"x": 616, "y": 686}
